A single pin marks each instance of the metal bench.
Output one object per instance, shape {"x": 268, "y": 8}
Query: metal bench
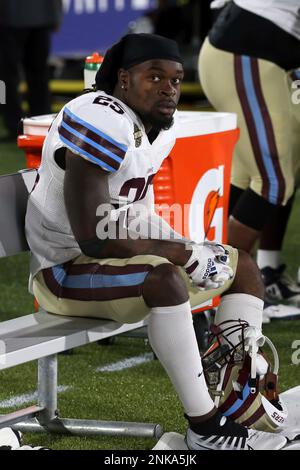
{"x": 41, "y": 336}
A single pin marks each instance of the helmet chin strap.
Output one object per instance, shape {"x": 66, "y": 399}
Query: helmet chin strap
{"x": 254, "y": 339}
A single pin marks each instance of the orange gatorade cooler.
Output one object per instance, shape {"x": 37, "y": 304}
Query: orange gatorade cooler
{"x": 192, "y": 186}
{"x": 35, "y": 130}
{"x": 196, "y": 176}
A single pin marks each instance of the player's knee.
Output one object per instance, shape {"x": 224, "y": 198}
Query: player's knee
{"x": 164, "y": 286}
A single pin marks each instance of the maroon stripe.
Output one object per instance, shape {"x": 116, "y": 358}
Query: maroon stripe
{"x": 246, "y": 405}
{"x": 255, "y": 417}
{"x": 192, "y": 268}
{"x": 96, "y": 268}
{"x": 51, "y": 282}
{"x": 88, "y": 148}
{"x": 232, "y": 397}
{"x": 229, "y": 402}
{"x": 269, "y": 129}
{"x": 241, "y": 90}
{"x": 100, "y": 294}
{"x": 226, "y": 377}
{"x": 93, "y": 136}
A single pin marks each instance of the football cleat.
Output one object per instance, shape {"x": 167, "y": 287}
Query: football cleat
{"x": 249, "y": 440}
{"x": 10, "y": 439}
{"x": 28, "y": 447}
{"x": 279, "y": 286}
{"x": 280, "y": 312}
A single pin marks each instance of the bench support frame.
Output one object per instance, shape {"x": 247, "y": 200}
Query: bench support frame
{"x": 44, "y": 416}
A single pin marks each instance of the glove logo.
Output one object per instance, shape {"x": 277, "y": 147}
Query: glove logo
{"x": 210, "y": 269}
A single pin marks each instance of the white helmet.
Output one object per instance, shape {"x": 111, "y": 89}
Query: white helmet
{"x": 251, "y": 401}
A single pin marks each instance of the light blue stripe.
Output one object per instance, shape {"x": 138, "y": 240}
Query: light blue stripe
{"x": 89, "y": 141}
{"x": 88, "y": 155}
{"x": 96, "y": 281}
{"x": 261, "y": 130}
{"x": 238, "y": 403}
{"x": 94, "y": 129}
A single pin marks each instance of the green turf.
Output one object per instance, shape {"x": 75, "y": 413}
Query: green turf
{"x": 143, "y": 393}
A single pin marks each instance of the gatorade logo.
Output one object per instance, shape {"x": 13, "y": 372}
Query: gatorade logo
{"x": 210, "y": 208}
{"x": 206, "y": 214}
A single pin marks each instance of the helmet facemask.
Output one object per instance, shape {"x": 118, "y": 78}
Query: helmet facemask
{"x": 251, "y": 399}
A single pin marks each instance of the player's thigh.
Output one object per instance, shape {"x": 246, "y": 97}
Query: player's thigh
{"x": 86, "y": 287}
{"x": 256, "y": 91}
{"x": 275, "y": 134}
{"x": 218, "y": 77}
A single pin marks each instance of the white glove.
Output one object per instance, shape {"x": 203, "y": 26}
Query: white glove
{"x": 208, "y": 266}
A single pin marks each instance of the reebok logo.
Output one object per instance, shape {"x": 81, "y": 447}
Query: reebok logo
{"x": 209, "y": 267}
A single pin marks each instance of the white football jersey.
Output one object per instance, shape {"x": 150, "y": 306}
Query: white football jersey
{"x": 283, "y": 13}
{"x": 104, "y": 131}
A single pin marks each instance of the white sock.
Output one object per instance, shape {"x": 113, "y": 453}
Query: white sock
{"x": 268, "y": 258}
{"x": 240, "y": 307}
{"x": 172, "y": 337}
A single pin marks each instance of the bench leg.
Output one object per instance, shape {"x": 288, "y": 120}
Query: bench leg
{"x": 47, "y": 389}
{"x": 48, "y": 420}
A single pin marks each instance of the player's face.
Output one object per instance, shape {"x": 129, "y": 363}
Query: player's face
{"x": 154, "y": 90}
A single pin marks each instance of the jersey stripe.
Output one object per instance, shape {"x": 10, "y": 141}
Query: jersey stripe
{"x": 241, "y": 89}
{"x": 261, "y": 130}
{"x": 96, "y": 133}
{"x": 89, "y": 152}
{"x": 95, "y": 281}
{"x": 91, "y": 142}
{"x": 270, "y": 133}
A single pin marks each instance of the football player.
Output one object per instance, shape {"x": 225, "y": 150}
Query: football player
{"x": 256, "y": 47}
{"x": 98, "y": 161}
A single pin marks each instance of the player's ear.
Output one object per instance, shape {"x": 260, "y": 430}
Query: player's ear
{"x": 123, "y": 78}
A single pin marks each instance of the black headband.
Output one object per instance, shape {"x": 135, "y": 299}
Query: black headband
{"x": 133, "y": 49}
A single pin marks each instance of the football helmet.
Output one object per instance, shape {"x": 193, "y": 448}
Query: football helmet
{"x": 243, "y": 382}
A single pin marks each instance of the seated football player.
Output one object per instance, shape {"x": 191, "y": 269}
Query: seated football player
{"x": 98, "y": 161}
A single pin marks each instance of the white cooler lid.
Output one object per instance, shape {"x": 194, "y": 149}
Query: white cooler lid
{"x": 38, "y": 125}
{"x": 193, "y": 123}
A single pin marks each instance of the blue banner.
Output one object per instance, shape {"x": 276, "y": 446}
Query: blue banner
{"x": 94, "y": 25}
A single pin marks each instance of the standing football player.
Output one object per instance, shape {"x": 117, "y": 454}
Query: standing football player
{"x": 100, "y": 157}
{"x": 255, "y": 45}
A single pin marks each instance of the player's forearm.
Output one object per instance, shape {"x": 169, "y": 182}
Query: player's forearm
{"x": 175, "y": 252}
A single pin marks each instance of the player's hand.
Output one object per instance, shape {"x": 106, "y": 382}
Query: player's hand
{"x": 208, "y": 265}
